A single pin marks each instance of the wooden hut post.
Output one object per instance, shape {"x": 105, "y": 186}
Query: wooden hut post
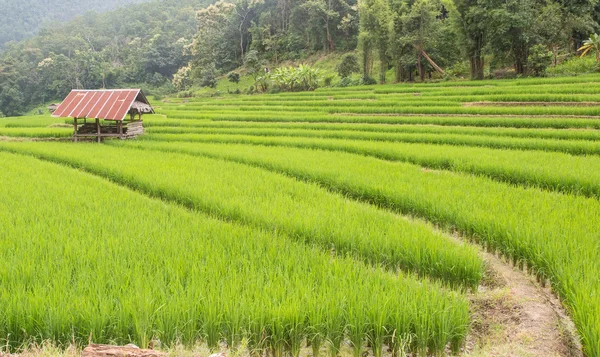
{"x": 121, "y": 129}
{"x": 98, "y": 130}
{"x": 75, "y": 129}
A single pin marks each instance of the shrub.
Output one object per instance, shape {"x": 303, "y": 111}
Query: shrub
{"x": 573, "y": 66}
{"x": 348, "y": 66}
{"x": 234, "y": 77}
{"x": 208, "y": 79}
{"x": 539, "y": 60}
{"x": 328, "y": 80}
{"x": 367, "y": 81}
{"x": 294, "y": 79}
{"x": 347, "y": 82}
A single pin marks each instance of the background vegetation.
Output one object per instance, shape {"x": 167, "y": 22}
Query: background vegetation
{"x": 168, "y": 46}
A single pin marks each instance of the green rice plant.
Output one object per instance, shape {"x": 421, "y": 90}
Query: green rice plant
{"x": 558, "y": 134}
{"x": 100, "y": 254}
{"x": 336, "y": 224}
{"x": 439, "y": 102}
{"x": 549, "y": 171}
{"x": 428, "y": 109}
{"x": 32, "y": 121}
{"x": 35, "y": 132}
{"x": 573, "y": 147}
{"x": 556, "y": 234}
{"x": 443, "y": 120}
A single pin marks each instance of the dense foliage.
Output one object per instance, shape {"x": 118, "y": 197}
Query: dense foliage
{"x": 141, "y": 43}
{"x": 176, "y": 45}
{"x": 314, "y": 190}
{"x": 22, "y": 18}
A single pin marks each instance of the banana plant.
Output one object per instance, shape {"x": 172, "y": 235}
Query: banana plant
{"x": 592, "y": 43}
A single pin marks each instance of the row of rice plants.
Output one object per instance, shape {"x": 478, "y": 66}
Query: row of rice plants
{"x": 424, "y": 109}
{"x": 507, "y": 97}
{"x": 450, "y": 98}
{"x": 551, "y": 171}
{"x": 553, "y": 233}
{"x": 31, "y": 121}
{"x": 558, "y": 134}
{"x": 533, "y": 90}
{"x": 306, "y": 213}
{"x": 499, "y": 84}
{"x": 573, "y": 147}
{"x": 35, "y": 132}
{"x": 322, "y": 103}
{"x": 412, "y": 106}
{"x": 76, "y": 269}
{"x": 524, "y": 110}
{"x": 478, "y": 121}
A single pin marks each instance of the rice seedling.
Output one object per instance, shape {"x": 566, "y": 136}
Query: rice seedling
{"x": 550, "y": 171}
{"x": 35, "y": 132}
{"x": 306, "y": 213}
{"x": 217, "y": 282}
{"x": 546, "y": 230}
{"x": 479, "y": 121}
{"x": 573, "y": 147}
{"x": 558, "y": 134}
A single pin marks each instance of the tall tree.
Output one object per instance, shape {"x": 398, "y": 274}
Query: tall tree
{"x": 471, "y": 24}
{"x": 375, "y": 25}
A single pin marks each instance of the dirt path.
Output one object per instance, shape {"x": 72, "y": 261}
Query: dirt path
{"x": 513, "y": 315}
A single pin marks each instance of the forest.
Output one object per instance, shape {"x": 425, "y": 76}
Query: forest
{"x": 22, "y": 19}
{"x": 171, "y": 45}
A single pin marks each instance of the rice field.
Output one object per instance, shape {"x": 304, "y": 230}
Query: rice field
{"x": 304, "y": 220}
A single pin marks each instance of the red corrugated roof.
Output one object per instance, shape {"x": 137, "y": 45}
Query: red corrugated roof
{"x": 108, "y": 104}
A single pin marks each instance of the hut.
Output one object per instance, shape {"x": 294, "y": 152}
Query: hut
{"x": 120, "y": 111}
{"x": 52, "y": 107}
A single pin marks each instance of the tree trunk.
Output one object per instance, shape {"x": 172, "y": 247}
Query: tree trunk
{"x": 476, "y": 58}
{"x": 366, "y": 55}
{"x": 520, "y": 53}
{"x": 330, "y": 43}
{"x": 476, "y": 67}
{"x": 242, "y": 40}
{"x": 420, "y": 66}
{"x": 399, "y": 74}
{"x": 382, "y": 70}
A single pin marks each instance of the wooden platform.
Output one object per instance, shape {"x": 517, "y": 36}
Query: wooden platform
{"x": 120, "y": 130}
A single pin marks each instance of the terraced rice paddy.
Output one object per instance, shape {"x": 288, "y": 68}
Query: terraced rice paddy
{"x": 306, "y": 218}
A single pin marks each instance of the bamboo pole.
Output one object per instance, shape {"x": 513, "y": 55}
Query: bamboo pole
{"x": 98, "y": 130}
{"x": 75, "y": 129}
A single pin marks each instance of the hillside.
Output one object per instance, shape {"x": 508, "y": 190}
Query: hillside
{"x": 140, "y": 43}
{"x": 359, "y": 212}
{"x": 23, "y": 18}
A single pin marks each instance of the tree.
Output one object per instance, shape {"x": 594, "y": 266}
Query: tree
{"x": 420, "y": 24}
{"x": 212, "y": 22}
{"x": 375, "y": 26}
{"x": 255, "y": 66}
{"x": 471, "y": 24}
{"x": 234, "y": 77}
{"x": 347, "y": 66}
{"x": 182, "y": 79}
{"x": 349, "y": 24}
{"x": 324, "y": 10}
{"x": 510, "y": 31}
{"x": 244, "y": 10}
{"x": 539, "y": 60}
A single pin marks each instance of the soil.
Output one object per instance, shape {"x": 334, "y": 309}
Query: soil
{"x": 513, "y": 315}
